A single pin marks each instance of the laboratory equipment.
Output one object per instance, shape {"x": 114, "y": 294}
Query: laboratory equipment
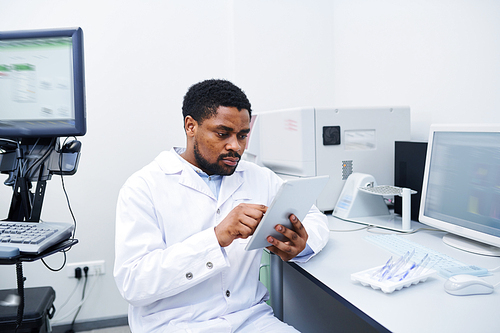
{"x": 308, "y": 142}
{"x": 362, "y": 201}
{"x": 395, "y": 274}
{"x": 42, "y": 98}
{"x": 42, "y": 87}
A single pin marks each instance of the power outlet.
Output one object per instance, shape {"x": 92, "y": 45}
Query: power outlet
{"x": 95, "y": 268}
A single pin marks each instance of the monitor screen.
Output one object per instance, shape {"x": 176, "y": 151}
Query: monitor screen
{"x": 461, "y": 186}
{"x": 42, "y": 89}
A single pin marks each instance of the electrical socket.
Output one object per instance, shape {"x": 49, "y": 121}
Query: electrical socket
{"x": 95, "y": 268}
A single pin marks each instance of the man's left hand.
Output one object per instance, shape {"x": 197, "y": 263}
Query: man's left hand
{"x": 295, "y": 243}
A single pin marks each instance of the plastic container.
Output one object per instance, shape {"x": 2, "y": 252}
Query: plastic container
{"x": 388, "y": 286}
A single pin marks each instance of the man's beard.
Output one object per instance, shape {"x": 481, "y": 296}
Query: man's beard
{"x": 215, "y": 168}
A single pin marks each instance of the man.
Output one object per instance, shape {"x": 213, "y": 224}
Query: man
{"x": 183, "y": 222}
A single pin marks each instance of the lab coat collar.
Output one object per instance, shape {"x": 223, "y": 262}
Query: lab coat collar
{"x": 170, "y": 163}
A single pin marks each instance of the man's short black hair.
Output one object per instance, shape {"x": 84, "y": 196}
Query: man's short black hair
{"x": 203, "y": 98}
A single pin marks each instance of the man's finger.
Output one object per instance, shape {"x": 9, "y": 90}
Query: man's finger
{"x": 298, "y": 227}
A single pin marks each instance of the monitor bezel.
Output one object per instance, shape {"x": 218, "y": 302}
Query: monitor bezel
{"x": 461, "y": 231}
{"x": 80, "y": 117}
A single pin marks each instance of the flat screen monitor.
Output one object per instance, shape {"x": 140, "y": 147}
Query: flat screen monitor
{"x": 461, "y": 186}
{"x": 42, "y": 86}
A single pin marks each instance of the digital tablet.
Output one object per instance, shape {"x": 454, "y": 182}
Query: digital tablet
{"x": 296, "y": 197}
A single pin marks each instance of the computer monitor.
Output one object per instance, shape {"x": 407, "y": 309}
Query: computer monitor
{"x": 461, "y": 186}
{"x": 42, "y": 86}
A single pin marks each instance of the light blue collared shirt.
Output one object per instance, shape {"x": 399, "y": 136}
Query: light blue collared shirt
{"x": 214, "y": 181}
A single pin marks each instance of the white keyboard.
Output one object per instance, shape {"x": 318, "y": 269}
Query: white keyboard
{"x": 399, "y": 245}
{"x": 32, "y": 237}
{"x": 385, "y": 190}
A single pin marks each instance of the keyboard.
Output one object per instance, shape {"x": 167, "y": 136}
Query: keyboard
{"x": 385, "y": 190}
{"x": 32, "y": 237}
{"x": 399, "y": 246}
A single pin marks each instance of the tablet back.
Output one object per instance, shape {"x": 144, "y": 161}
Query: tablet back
{"x": 296, "y": 197}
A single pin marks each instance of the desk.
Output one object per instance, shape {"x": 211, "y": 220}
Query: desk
{"x": 323, "y": 286}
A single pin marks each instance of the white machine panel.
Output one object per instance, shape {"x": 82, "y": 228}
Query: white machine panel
{"x": 306, "y": 142}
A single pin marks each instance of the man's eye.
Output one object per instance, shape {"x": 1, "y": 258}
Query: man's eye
{"x": 243, "y": 136}
{"x": 222, "y": 135}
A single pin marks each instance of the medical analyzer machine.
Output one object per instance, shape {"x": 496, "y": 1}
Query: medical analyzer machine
{"x": 309, "y": 141}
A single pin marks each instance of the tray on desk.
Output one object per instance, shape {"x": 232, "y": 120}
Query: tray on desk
{"x": 389, "y": 286}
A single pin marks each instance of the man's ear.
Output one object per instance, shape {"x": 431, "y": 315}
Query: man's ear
{"x": 190, "y": 126}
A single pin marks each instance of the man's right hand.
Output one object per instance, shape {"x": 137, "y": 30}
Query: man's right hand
{"x": 241, "y": 222}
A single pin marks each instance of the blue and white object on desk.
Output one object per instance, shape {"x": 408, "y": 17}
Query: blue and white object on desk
{"x": 362, "y": 201}
{"x": 388, "y": 286}
{"x": 354, "y": 203}
{"x": 396, "y": 273}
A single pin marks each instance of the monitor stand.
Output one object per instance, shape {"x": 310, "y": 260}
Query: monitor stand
{"x": 470, "y": 245}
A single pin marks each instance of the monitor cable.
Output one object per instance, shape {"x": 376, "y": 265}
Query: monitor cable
{"x": 71, "y": 212}
{"x": 66, "y": 193}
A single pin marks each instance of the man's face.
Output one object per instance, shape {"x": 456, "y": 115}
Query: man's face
{"x": 220, "y": 141}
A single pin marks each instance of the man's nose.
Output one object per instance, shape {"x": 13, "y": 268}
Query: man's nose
{"x": 233, "y": 143}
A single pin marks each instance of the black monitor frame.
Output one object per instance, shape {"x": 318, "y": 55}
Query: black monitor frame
{"x": 26, "y": 129}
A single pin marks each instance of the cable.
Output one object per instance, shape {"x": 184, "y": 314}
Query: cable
{"x": 402, "y": 233}
{"x": 66, "y": 194}
{"x": 56, "y": 269}
{"x": 58, "y": 320}
{"x": 86, "y": 271}
{"x": 497, "y": 269}
{"x": 7, "y": 141}
{"x": 71, "y": 212}
{"x": 70, "y": 295}
{"x": 67, "y": 199}
{"x": 40, "y": 159}
{"x": 350, "y": 230}
{"x": 372, "y": 228}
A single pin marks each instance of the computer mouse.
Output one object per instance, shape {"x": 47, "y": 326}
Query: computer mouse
{"x": 464, "y": 284}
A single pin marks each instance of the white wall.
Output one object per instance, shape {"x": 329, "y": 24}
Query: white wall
{"x": 439, "y": 57}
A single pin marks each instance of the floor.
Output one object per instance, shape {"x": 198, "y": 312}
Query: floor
{"x": 120, "y": 329}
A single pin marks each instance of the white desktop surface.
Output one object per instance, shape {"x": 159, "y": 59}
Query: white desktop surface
{"x": 424, "y": 307}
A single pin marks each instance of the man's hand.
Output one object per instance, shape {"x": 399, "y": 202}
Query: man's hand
{"x": 296, "y": 243}
{"x": 239, "y": 223}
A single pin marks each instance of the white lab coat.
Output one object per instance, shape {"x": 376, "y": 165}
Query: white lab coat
{"x": 169, "y": 265}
